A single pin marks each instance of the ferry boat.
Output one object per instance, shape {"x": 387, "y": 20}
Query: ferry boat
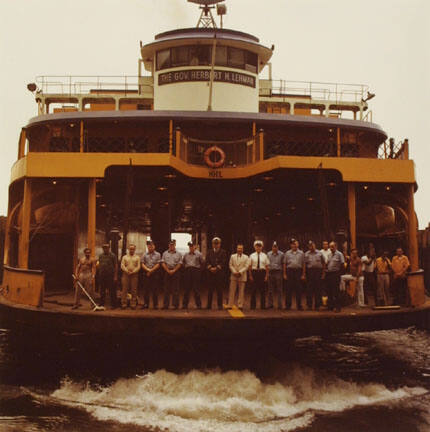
{"x": 200, "y": 143}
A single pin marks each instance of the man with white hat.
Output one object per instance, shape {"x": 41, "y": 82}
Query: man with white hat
{"x": 216, "y": 263}
{"x": 258, "y": 274}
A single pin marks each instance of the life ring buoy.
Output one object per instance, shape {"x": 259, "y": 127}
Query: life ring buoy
{"x": 207, "y": 156}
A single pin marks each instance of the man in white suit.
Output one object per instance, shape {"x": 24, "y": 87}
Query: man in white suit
{"x": 239, "y": 263}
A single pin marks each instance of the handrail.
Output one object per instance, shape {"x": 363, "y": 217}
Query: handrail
{"x": 324, "y": 90}
{"x": 80, "y": 84}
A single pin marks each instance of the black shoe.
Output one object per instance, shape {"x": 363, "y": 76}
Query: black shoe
{"x": 220, "y": 307}
{"x": 199, "y": 306}
{"x": 270, "y": 307}
{"x": 337, "y": 310}
{"x": 165, "y": 307}
{"x": 175, "y": 307}
{"x": 155, "y": 307}
{"x": 288, "y": 308}
{"x": 300, "y": 308}
{"x": 184, "y": 307}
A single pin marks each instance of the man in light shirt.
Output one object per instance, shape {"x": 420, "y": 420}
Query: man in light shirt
{"x": 171, "y": 261}
{"x": 276, "y": 258}
{"x": 335, "y": 267}
{"x": 193, "y": 263}
{"x": 314, "y": 267}
{"x": 369, "y": 261}
{"x": 151, "y": 268}
{"x": 294, "y": 273}
{"x": 258, "y": 274}
{"x": 383, "y": 268}
{"x": 238, "y": 264}
{"x": 400, "y": 265}
{"x": 130, "y": 266}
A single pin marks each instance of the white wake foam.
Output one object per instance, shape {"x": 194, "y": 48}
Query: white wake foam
{"x": 223, "y": 401}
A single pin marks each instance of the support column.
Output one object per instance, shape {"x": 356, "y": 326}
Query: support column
{"x": 6, "y": 240}
{"x": 412, "y": 230}
{"x": 81, "y": 137}
{"x": 178, "y": 142}
{"x": 338, "y": 143}
{"x": 22, "y": 141}
{"x": 91, "y": 235}
{"x": 24, "y": 237}
{"x": 352, "y": 212}
{"x": 261, "y": 143}
{"x": 170, "y": 136}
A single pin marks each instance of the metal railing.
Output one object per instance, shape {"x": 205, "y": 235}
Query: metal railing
{"x": 393, "y": 150}
{"x": 81, "y": 84}
{"x": 326, "y": 91}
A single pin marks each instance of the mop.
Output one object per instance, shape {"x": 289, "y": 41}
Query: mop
{"x": 97, "y": 308}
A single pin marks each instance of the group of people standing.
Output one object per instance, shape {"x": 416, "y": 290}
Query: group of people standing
{"x": 276, "y": 276}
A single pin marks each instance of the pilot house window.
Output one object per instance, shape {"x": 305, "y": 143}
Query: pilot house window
{"x": 201, "y": 55}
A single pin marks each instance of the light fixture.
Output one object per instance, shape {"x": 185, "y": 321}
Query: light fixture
{"x": 258, "y": 189}
{"x": 388, "y": 188}
{"x": 368, "y": 97}
{"x": 54, "y": 182}
{"x": 365, "y": 187}
{"x": 331, "y": 184}
{"x": 103, "y": 205}
{"x": 170, "y": 176}
{"x": 98, "y": 196}
{"x": 278, "y": 214}
{"x": 292, "y": 207}
{"x": 268, "y": 178}
{"x": 311, "y": 198}
{"x": 32, "y": 87}
{"x": 161, "y": 188}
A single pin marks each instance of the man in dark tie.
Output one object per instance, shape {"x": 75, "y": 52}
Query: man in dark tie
{"x": 216, "y": 264}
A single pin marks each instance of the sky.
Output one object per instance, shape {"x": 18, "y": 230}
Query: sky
{"x": 381, "y": 43}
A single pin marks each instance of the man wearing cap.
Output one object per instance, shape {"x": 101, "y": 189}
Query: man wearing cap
{"x": 193, "y": 263}
{"x": 238, "y": 264}
{"x": 294, "y": 273}
{"x": 314, "y": 268}
{"x": 335, "y": 267}
{"x": 171, "y": 262}
{"x": 107, "y": 265}
{"x": 151, "y": 269}
{"x": 216, "y": 263}
{"x": 276, "y": 258}
{"x": 258, "y": 274}
{"x": 130, "y": 266}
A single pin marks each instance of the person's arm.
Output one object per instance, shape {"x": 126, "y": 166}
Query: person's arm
{"x": 137, "y": 268}
{"x": 165, "y": 267}
{"x": 78, "y": 268}
{"x": 115, "y": 265}
{"x": 144, "y": 267}
{"x": 93, "y": 268}
{"x": 230, "y": 265}
{"x": 123, "y": 266}
{"x": 244, "y": 268}
{"x": 178, "y": 266}
{"x": 266, "y": 277}
{"x": 304, "y": 268}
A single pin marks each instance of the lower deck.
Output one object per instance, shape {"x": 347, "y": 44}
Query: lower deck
{"x": 56, "y": 316}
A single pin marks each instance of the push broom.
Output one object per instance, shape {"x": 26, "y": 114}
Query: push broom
{"x": 96, "y": 308}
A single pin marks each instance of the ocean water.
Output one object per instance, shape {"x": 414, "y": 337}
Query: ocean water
{"x": 377, "y": 381}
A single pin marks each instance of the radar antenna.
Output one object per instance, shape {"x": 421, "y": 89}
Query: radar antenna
{"x": 206, "y": 19}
